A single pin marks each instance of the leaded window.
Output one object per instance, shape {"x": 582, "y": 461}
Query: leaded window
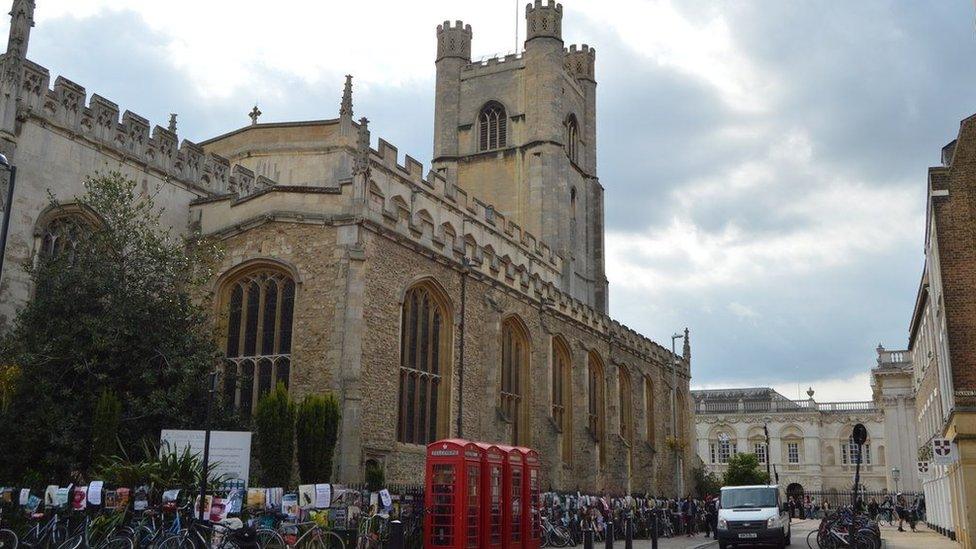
{"x": 759, "y": 448}
{"x": 260, "y": 309}
{"x": 424, "y": 354}
{"x": 572, "y": 138}
{"x": 595, "y": 400}
{"x": 626, "y": 406}
{"x": 60, "y": 237}
{"x": 492, "y": 127}
{"x": 793, "y": 452}
{"x": 515, "y": 359}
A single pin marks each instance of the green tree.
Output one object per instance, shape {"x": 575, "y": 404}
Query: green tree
{"x": 120, "y": 310}
{"x": 375, "y": 476}
{"x": 706, "y": 483}
{"x": 105, "y": 424}
{"x": 744, "y": 470}
{"x": 316, "y": 432}
{"x": 274, "y": 420}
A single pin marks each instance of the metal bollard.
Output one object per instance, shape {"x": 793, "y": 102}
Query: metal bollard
{"x": 629, "y": 534}
{"x": 609, "y": 535}
{"x": 653, "y": 530}
{"x": 587, "y": 538}
{"x": 396, "y": 535}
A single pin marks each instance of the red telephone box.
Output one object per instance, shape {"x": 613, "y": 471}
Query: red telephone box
{"x": 513, "y": 526}
{"x": 452, "y": 495}
{"x": 531, "y": 515}
{"x": 492, "y": 495}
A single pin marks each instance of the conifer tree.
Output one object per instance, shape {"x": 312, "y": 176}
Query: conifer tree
{"x": 274, "y": 420}
{"x": 316, "y": 432}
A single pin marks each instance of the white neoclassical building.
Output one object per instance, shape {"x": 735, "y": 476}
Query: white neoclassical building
{"x": 810, "y": 443}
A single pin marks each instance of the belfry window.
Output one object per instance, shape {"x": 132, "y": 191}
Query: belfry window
{"x": 425, "y": 348}
{"x": 492, "y": 127}
{"x": 515, "y": 358}
{"x": 260, "y": 306}
{"x": 572, "y": 138}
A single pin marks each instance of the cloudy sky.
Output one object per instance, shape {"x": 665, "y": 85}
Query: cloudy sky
{"x": 764, "y": 162}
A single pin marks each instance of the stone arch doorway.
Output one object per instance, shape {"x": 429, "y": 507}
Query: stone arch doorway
{"x": 794, "y": 491}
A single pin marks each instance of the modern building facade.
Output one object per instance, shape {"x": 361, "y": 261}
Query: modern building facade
{"x": 429, "y": 311}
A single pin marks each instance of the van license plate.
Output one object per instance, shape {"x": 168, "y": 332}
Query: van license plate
{"x": 749, "y": 535}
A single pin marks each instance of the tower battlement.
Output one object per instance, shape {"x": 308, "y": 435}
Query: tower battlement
{"x": 544, "y": 19}
{"x": 454, "y": 41}
{"x": 581, "y": 61}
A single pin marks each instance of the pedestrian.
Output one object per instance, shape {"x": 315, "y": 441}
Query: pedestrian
{"x": 873, "y": 508}
{"x": 901, "y": 509}
{"x": 713, "y": 516}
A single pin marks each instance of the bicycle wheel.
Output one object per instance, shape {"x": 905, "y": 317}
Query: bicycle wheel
{"x": 269, "y": 539}
{"x": 175, "y": 541}
{"x": 117, "y": 542}
{"x": 322, "y": 539}
{"x": 8, "y": 539}
{"x": 73, "y": 542}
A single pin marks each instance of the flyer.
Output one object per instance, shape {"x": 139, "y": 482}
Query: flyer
{"x": 50, "y": 496}
{"x": 289, "y": 505}
{"x": 170, "y": 496}
{"x": 256, "y": 498}
{"x": 122, "y": 497}
{"x": 234, "y": 498}
{"x": 141, "y": 499}
{"x": 306, "y": 496}
{"x": 24, "y": 495}
{"x": 386, "y": 499}
{"x": 79, "y": 498}
{"x": 95, "y": 492}
{"x": 62, "y": 495}
{"x": 218, "y": 509}
{"x": 323, "y": 496}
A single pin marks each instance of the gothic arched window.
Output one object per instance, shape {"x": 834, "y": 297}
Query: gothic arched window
{"x": 425, "y": 350}
{"x": 515, "y": 361}
{"x": 649, "y": 408}
{"x": 572, "y": 138}
{"x": 595, "y": 400}
{"x": 61, "y": 236}
{"x": 260, "y": 306}
{"x": 626, "y": 406}
{"x": 562, "y": 368}
{"x": 492, "y": 127}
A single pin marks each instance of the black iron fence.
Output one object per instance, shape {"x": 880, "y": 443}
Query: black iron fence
{"x": 837, "y": 498}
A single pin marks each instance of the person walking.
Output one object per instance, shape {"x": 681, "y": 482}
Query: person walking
{"x": 901, "y": 509}
{"x": 873, "y": 508}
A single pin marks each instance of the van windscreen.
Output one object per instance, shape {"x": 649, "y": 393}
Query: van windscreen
{"x": 748, "y": 497}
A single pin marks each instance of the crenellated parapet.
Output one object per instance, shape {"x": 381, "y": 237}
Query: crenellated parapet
{"x": 454, "y": 40}
{"x": 544, "y": 18}
{"x": 67, "y": 107}
{"x": 581, "y": 62}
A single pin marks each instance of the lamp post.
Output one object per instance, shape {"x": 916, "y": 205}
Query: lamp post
{"x": 679, "y": 484}
{"x": 7, "y": 207}
{"x": 204, "y": 477}
{"x": 896, "y": 476}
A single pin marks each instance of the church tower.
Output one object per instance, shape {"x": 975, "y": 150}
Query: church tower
{"x": 519, "y": 132}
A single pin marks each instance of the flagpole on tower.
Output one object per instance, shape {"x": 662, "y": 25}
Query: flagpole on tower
{"x": 516, "y": 25}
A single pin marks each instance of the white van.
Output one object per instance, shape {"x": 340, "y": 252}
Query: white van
{"x": 753, "y": 515}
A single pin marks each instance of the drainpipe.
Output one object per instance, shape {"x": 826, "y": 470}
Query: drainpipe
{"x": 465, "y": 267}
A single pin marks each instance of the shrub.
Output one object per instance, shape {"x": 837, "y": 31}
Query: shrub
{"x": 274, "y": 421}
{"x": 316, "y": 432}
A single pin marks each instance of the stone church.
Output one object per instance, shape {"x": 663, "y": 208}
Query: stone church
{"x": 469, "y": 302}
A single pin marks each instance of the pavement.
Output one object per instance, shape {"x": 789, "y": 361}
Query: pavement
{"x": 893, "y": 539}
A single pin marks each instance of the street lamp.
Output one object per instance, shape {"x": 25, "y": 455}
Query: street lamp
{"x": 895, "y": 476}
{"x": 206, "y": 444}
{"x": 7, "y": 206}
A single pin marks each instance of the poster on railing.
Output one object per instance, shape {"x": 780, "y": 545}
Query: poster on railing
{"x": 229, "y": 450}
{"x": 942, "y": 451}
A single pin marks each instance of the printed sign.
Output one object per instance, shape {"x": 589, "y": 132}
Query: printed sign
{"x": 230, "y": 451}
{"x": 942, "y": 452}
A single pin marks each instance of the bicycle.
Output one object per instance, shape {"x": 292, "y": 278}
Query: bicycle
{"x": 201, "y": 534}
{"x": 98, "y": 534}
{"x": 8, "y": 538}
{"x": 288, "y": 535}
{"x": 45, "y": 533}
{"x": 555, "y": 536}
